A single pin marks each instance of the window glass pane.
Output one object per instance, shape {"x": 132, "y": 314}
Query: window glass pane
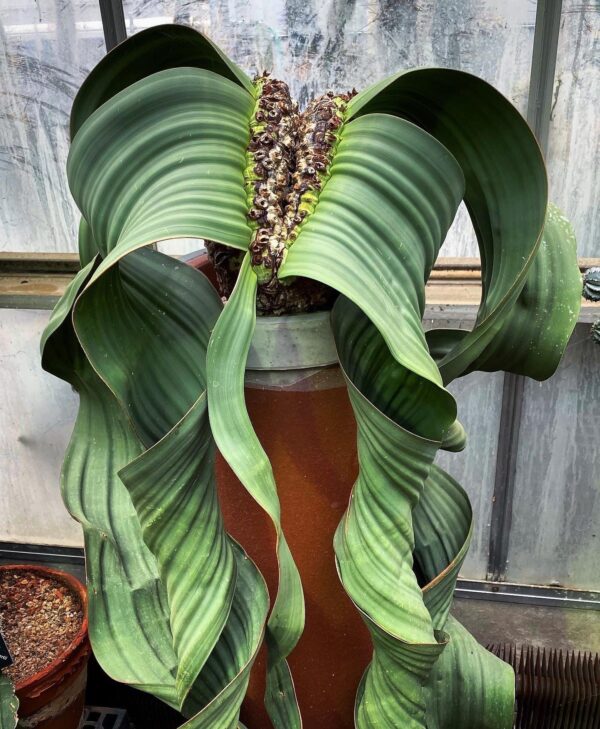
{"x": 36, "y": 422}
{"x": 46, "y": 50}
{"x": 316, "y": 45}
{"x": 574, "y": 142}
{"x": 555, "y": 535}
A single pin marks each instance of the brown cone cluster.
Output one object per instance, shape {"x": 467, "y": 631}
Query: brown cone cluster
{"x": 289, "y": 155}
{"x": 271, "y": 158}
{"x": 317, "y": 137}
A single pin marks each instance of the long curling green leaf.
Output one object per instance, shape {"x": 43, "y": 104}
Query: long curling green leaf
{"x": 403, "y": 505}
{"x": 168, "y": 609}
{"x": 443, "y": 525}
{"x": 237, "y": 441}
{"x": 506, "y": 186}
{"x": 374, "y": 542}
{"x": 378, "y": 225}
{"x": 123, "y": 584}
{"x": 173, "y": 489}
{"x": 468, "y": 686}
{"x": 128, "y": 611}
{"x": 536, "y": 330}
{"x": 400, "y": 505}
{"x": 136, "y": 325}
{"x": 164, "y": 158}
{"x": 88, "y": 249}
{"x": 152, "y": 50}
{"x": 533, "y": 334}
{"x": 223, "y": 682}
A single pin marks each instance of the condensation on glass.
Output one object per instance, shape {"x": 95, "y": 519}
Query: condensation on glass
{"x": 574, "y": 140}
{"x": 46, "y": 50}
{"x": 316, "y": 45}
{"x": 555, "y": 535}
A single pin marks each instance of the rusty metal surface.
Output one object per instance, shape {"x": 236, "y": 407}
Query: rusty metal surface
{"x": 554, "y": 689}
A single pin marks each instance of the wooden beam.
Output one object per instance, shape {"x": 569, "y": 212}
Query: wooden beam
{"x": 450, "y": 293}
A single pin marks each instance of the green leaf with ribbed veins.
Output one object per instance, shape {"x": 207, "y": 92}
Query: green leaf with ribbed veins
{"x": 455, "y": 439}
{"x": 239, "y": 445}
{"x": 173, "y": 490}
{"x": 59, "y": 347}
{"x": 469, "y": 687}
{"x": 536, "y": 330}
{"x": 506, "y": 186}
{"x": 88, "y": 249}
{"x": 165, "y": 158}
{"x": 443, "y": 524}
{"x": 123, "y": 585}
{"x": 410, "y": 401}
{"x": 222, "y": 685}
{"x": 145, "y": 324}
{"x": 9, "y": 704}
{"x": 374, "y": 542}
{"x": 426, "y": 671}
{"x": 128, "y": 613}
{"x": 150, "y": 51}
{"x": 377, "y": 228}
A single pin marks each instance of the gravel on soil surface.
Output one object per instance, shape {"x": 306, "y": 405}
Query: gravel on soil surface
{"x": 39, "y": 618}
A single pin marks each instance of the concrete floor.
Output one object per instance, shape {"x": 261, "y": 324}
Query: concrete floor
{"x": 546, "y": 627}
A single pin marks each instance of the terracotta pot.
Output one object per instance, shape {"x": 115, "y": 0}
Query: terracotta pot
{"x": 54, "y": 698}
{"x": 300, "y": 409}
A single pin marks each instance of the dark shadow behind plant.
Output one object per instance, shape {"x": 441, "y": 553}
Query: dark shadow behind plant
{"x": 165, "y": 133}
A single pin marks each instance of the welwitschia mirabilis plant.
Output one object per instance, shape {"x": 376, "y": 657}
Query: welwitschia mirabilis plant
{"x": 171, "y": 140}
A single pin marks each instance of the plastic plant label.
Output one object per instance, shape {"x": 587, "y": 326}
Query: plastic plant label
{"x": 5, "y": 657}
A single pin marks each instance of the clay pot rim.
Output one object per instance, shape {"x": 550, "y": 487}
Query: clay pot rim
{"x": 80, "y": 638}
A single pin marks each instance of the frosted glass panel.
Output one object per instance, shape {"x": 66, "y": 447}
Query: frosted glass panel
{"x": 46, "y": 50}
{"x": 316, "y": 45}
{"x": 555, "y": 536}
{"x": 36, "y": 420}
{"x": 574, "y": 143}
